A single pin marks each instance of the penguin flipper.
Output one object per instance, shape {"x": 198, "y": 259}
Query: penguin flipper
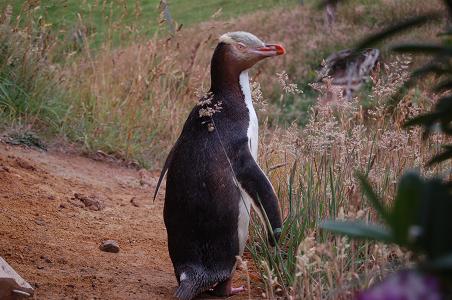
{"x": 256, "y": 184}
{"x": 168, "y": 160}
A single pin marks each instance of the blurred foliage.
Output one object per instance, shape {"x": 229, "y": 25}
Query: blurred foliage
{"x": 419, "y": 218}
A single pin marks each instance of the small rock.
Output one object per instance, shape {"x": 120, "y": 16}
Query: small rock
{"x": 133, "y": 164}
{"x": 40, "y": 221}
{"x": 76, "y": 203}
{"x": 24, "y": 164}
{"x": 91, "y": 202}
{"x": 51, "y": 197}
{"x": 134, "y": 202}
{"x": 62, "y": 261}
{"x": 145, "y": 177}
{"x": 102, "y": 156}
{"x": 4, "y": 169}
{"x": 46, "y": 259}
{"x": 109, "y": 246}
{"x": 62, "y": 205}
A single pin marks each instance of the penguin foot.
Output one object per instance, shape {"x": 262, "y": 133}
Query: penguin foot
{"x": 225, "y": 289}
{"x": 237, "y": 290}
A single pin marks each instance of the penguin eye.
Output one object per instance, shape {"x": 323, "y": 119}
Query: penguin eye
{"x": 241, "y": 46}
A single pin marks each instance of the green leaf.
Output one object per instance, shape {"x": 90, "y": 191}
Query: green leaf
{"x": 396, "y": 29}
{"x": 445, "y": 85}
{"x": 373, "y": 198}
{"x": 428, "y": 69}
{"x": 427, "y": 119}
{"x": 442, "y": 263}
{"x": 435, "y": 218}
{"x": 445, "y": 33}
{"x": 358, "y": 230}
{"x": 406, "y": 206}
{"x": 448, "y": 4}
{"x": 324, "y": 3}
{"x": 445, "y": 155}
{"x": 428, "y": 49}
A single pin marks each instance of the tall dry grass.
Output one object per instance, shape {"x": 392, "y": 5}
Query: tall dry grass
{"x": 131, "y": 103}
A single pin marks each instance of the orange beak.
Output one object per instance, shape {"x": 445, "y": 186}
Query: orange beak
{"x": 278, "y": 48}
{"x": 272, "y": 50}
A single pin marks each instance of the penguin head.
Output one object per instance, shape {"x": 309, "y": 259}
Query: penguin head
{"x": 243, "y": 49}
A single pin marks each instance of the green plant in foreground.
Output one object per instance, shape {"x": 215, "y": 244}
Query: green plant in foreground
{"x": 418, "y": 220}
{"x": 279, "y": 264}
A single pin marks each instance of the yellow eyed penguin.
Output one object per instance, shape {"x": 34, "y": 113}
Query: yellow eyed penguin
{"x": 213, "y": 176}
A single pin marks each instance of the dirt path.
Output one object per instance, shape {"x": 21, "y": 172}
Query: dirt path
{"x": 52, "y": 238}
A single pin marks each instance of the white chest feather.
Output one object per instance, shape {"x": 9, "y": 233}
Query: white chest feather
{"x": 253, "y": 126}
{"x": 253, "y": 135}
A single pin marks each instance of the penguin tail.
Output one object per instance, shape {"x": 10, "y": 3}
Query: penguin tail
{"x": 195, "y": 280}
{"x": 187, "y": 290}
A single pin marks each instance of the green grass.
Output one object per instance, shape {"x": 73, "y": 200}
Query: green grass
{"x": 125, "y": 19}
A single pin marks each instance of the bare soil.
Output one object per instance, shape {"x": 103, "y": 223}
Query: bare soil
{"x": 57, "y": 208}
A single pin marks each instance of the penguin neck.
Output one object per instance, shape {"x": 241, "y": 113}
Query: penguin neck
{"x": 224, "y": 74}
{"x": 246, "y": 90}
{"x": 226, "y": 82}
{"x": 234, "y": 88}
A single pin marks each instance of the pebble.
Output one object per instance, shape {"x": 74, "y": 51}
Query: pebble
{"x": 46, "y": 259}
{"x": 91, "y": 202}
{"x": 145, "y": 177}
{"x": 109, "y": 246}
{"x": 24, "y": 164}
{"x": 40, "y": 221}
{"x": 62, "y": 261}
{"x": 134, "y": 202}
